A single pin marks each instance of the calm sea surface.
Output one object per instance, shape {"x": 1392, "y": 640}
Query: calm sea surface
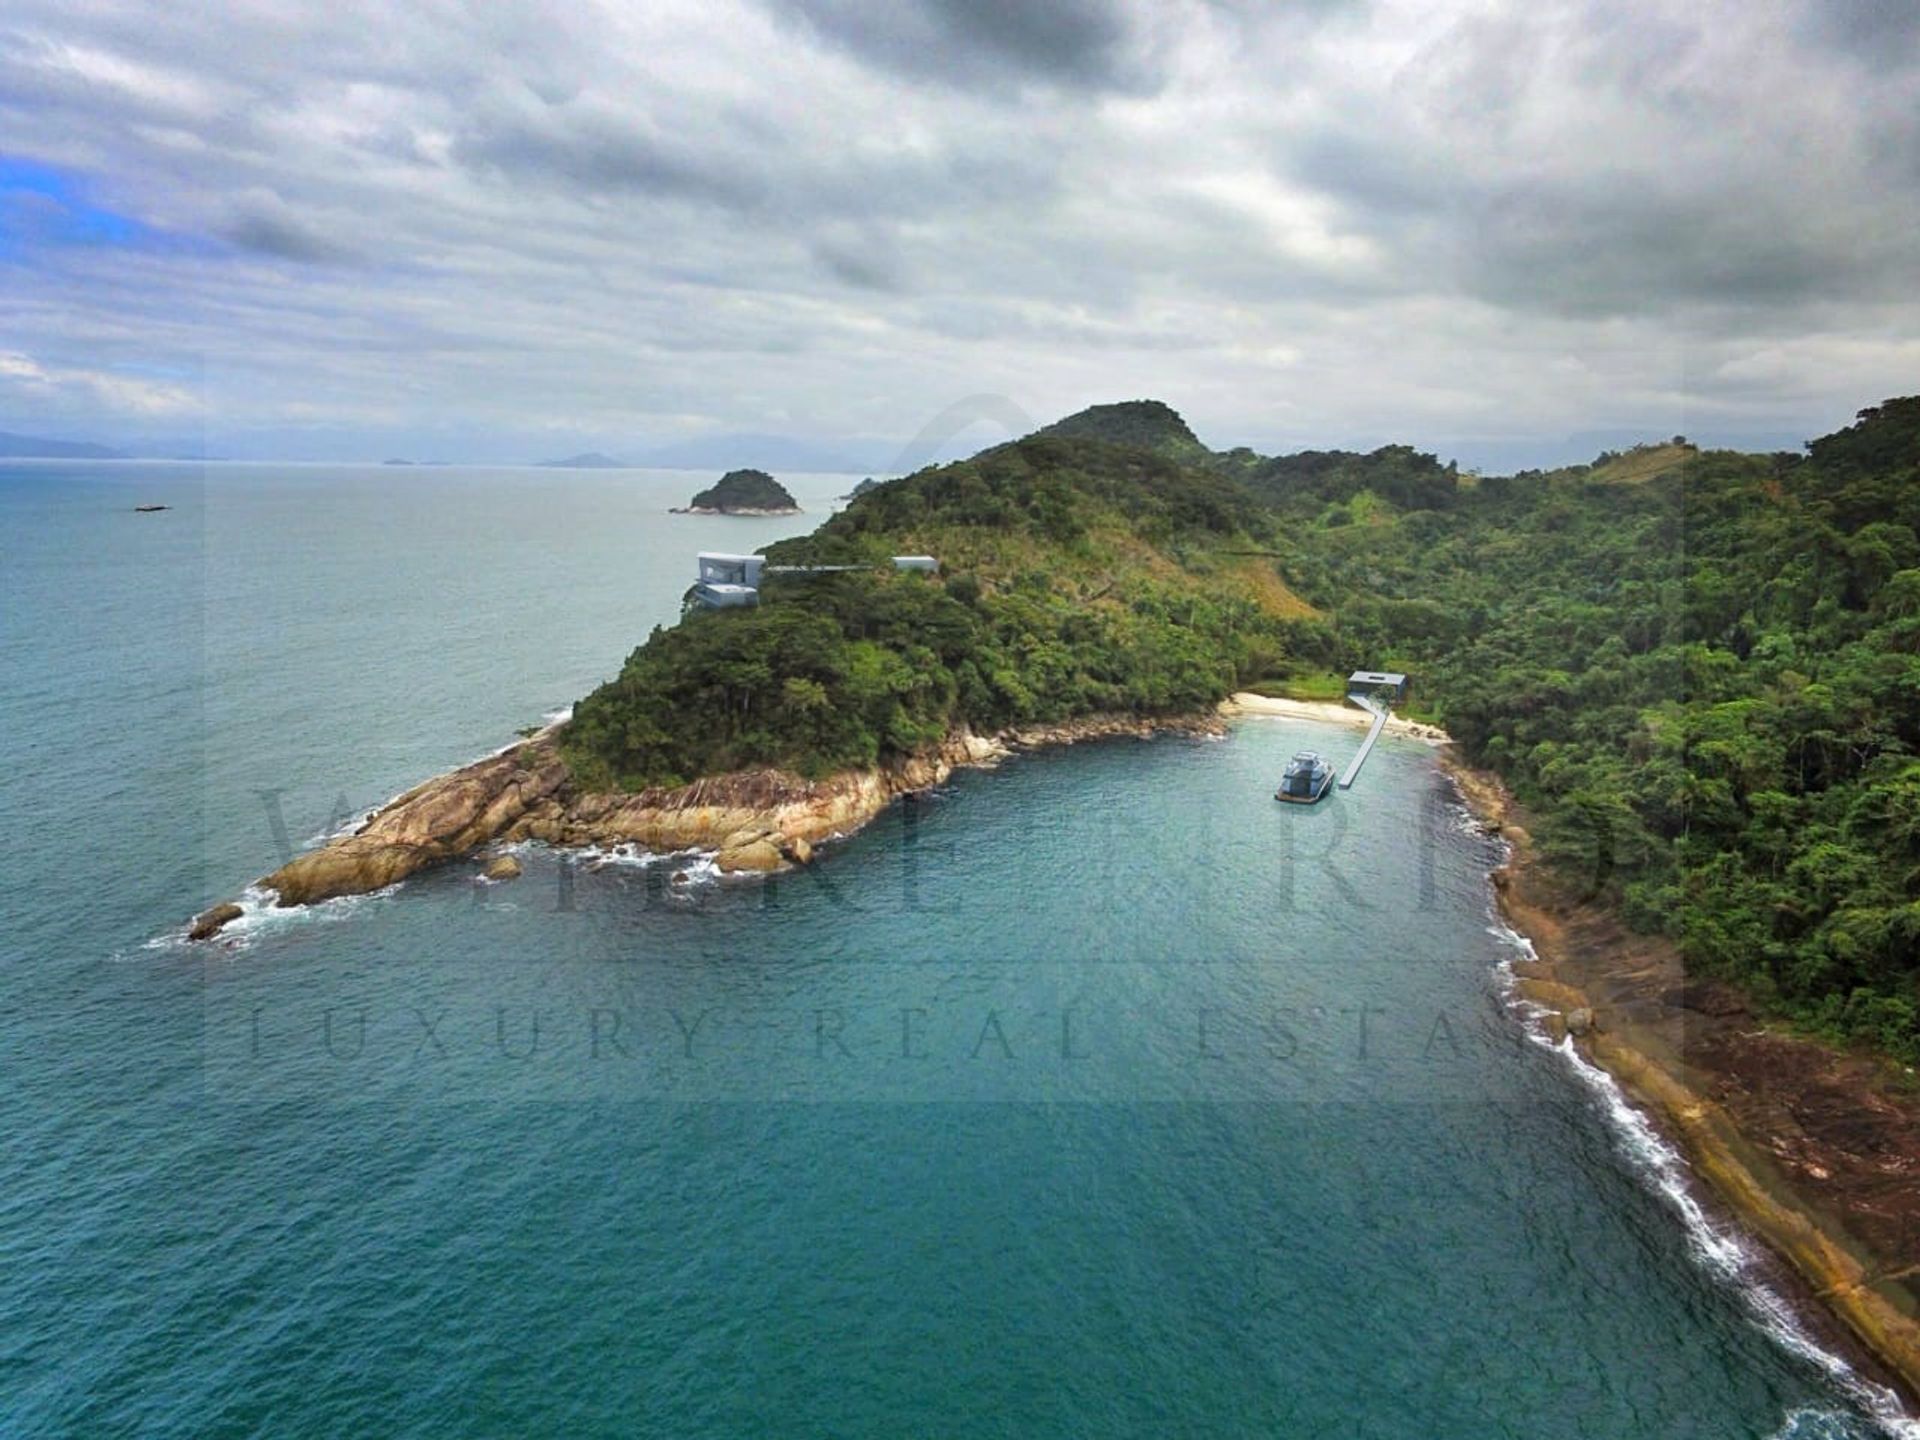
{"x": 1096, "y": 1095}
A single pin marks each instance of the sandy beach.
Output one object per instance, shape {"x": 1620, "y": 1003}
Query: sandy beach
{"x": 1246, "y": 702}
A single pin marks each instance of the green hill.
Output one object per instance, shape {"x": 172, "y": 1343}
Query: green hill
{"x": 1641, "y": 463}
{"x": 1077, "y": 576}
{"x": 1145, "y": 424}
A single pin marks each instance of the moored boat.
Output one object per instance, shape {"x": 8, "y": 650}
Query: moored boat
{"x": 1305, "y": 779}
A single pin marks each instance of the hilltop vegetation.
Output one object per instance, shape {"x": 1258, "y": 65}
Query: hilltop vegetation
{"x": 1705, "y": 682}
{"x": 1142, "y": 424}
{"x": 1078, "y": 576}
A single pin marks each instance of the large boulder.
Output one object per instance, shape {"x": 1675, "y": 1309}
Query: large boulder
{"x": 749, "y": 850}
{"x": 502, "y": 867}
{"x": 210, "y": 923}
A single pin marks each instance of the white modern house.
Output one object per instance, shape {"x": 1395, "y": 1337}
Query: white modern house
{"x": 727, "y": 581}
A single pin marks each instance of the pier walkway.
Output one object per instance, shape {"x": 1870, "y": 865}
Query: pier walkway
{"x": 1380, "y": 713}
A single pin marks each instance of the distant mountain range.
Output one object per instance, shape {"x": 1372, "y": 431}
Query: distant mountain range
{"x": 39, "y": 447}
{"x": 776, "y": 452}
{"x": 35, "y": 447}
{"x": 589, "y": 460}
{"x": 731, "y": 452}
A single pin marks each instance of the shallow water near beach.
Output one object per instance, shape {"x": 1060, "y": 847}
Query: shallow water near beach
{"x": 1094, "y": 1095}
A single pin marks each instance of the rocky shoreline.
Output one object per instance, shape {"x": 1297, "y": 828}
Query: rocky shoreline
{"x": 754, "y": 820}
{"x": 755, "y": 510}
{"x": 1815, "y": 1151}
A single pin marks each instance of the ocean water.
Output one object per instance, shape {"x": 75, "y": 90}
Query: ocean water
{"x": 1094, "y": 1095}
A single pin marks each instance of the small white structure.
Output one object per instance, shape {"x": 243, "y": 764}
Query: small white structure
{"x": 725, "y": 597}
{"x": 1367, "y": 680}
{"x": 727, "y": 581}
{"x": 718, "y": 569}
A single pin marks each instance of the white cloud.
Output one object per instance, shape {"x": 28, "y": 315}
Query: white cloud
{"x": 63, "y": 390}
{"x": 1310, "y": 223}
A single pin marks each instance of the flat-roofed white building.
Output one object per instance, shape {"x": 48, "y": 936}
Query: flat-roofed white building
{"x": 719, "y": 569}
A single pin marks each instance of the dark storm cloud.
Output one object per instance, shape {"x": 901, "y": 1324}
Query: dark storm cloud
{"x": 1573, "y": 159}
{"x": 1880, "y": 34}
{"x": 589, "y": 146}
{"x": 865, "y": 261}
{"x": 268, "y": 227}
{"x": 1090, "y": 44}
{"x": 1622, "y": 249}
{"x": 1382, "y": 177}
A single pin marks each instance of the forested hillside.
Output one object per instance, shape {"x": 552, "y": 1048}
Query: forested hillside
{"x": 1077, "y": 576}
{"x": 1705, "y": 683}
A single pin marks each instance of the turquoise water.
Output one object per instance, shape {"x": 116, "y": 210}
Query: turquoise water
{"x": 1094, "y": 1095}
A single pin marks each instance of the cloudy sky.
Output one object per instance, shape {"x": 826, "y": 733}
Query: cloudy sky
{"x": 509, "y": 229}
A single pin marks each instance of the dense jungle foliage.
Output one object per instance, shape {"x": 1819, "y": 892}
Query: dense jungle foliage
{"x": 1706, "y": 685}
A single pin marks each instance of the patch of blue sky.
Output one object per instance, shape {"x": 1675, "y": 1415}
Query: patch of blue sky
{"x": 44, "y": 206}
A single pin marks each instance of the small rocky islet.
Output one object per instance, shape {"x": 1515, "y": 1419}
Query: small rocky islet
{"x": 742, "y": 492}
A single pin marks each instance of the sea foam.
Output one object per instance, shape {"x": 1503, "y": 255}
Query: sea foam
{"x": 1719, "y": 1249}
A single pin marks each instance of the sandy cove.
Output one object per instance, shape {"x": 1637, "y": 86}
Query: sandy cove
{"x": 751, "y": 818}
{"x": 1245, "y": 702}
{"x": 1814, "y": 1150}
{"x": 754, "y": 820}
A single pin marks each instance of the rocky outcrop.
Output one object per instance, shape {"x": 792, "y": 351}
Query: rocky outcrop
{"x": 210, "y": 923}
{"x": 755, "y": 820}
{"x": 749, "y": 852}
{"x": 447, "y": 817}
{"x": 502, "y": 867}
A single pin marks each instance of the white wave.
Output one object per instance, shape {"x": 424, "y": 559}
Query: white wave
{"x": 635, "y": 856}
{"x": 1809, "y": 1422}
{"x": 259, "y": 916}
{"x": 1721, "y": 1250}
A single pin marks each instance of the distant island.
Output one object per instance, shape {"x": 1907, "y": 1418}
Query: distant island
{"x": 742, "y": 492}
{"x": 35, "y": 447}
{"x": 784, "y": 452}
{"x": 587, "y": 460}
{"x": 862, "y": 488}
